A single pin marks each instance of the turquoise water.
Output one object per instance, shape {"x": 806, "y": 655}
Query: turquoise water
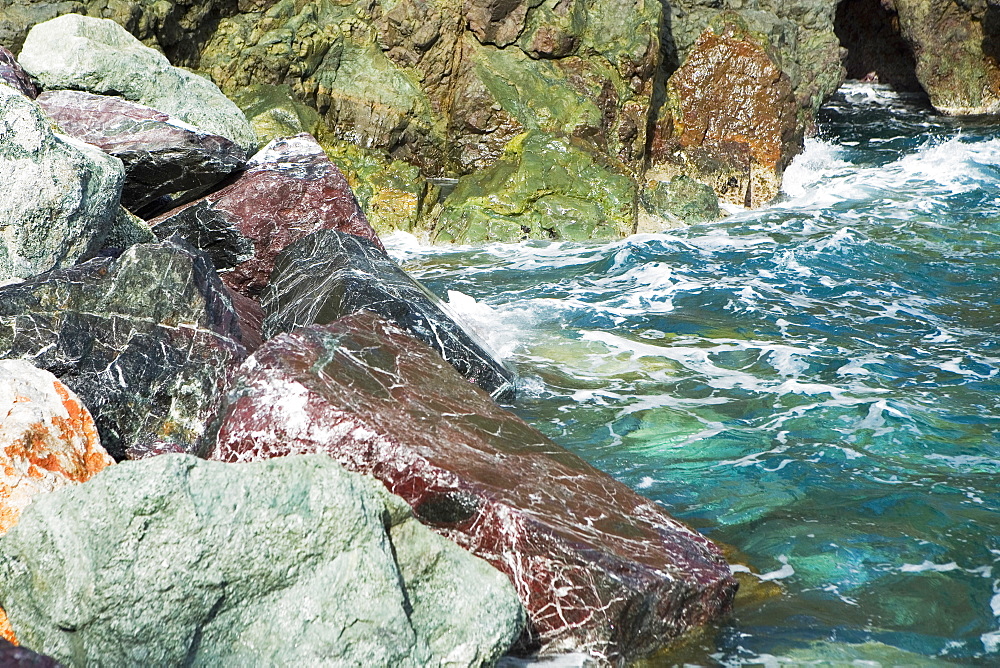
{"x": 816, "y": 384}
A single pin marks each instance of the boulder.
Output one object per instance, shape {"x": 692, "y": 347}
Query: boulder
{"x": 47, "y": 438}
{"x": 13, "y": 75}
{"x": 294, "y": 561}
{"x": 274, "y": 111}
{"x": 543, "y": 187}
{"x": 329, "y": 275}
{"x": 600, "y": 569}
{"x": 289, "y": 189}
{"x": 162, "y": 155}
{"x": 99, "y": 56}
{"x": 730, "y": 120}
{"x": 13, "y": 656}
{"x": 147, "y": 340}
{"x": 60, "y": 196}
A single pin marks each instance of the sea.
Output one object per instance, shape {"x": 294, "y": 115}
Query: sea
{"x": 814, "y": 384}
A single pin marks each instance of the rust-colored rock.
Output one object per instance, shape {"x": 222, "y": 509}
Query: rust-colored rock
{"x": 600, "y": 569}
{"x": 289, "y": 190}
{"x": 13, "y": 75}
{"x": 6, "y": 630}
{"x": 47, "y": 438}
{"x": 730, "y": 120}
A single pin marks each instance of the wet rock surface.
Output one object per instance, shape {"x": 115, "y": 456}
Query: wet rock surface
{"x": 13, "y": 75}
{"x": 47, "y": 438}
{"x": 329, "y": 275}
{"x": 162, "y": 155}
{"x": 59, "y": 196}
{"x": 600, "y": 569}
{"x": 146, "y": 340}
{"x": 543, "y": 187}
{"x": 288, "y": 561}
{"x": 99, "y": 56}
{"x": 730, "y": 118}
{"x": 289, "y": 189}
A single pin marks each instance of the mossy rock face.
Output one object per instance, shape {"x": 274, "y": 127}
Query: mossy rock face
{"x": 680, "y": 201}
{"x": 544, "y": 186}
{"x": 273, "y": 112}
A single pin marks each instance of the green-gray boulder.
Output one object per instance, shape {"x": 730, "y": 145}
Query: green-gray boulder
{"x": 273, "y": 112}
{"x": 99, "y": 56}
{"x": 59, "y": 196}
{"x": 544, "y": 186}
{"x": 293, "y": 561}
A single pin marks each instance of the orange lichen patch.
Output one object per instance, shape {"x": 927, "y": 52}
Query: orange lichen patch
{"x": 6, "y": 630}
{"x": 47, "y": 440}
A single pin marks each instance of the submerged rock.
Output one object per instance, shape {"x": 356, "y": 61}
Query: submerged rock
{"x": 147, "y": 340}
{"x": 13, "y": 75}
{"x": 161, "y": 154}
{"x": 47, "y": 438}
{"x": 329, "y": 275}
{"x": 99, "y": 56}
{"x": 59, "y": 196}
{"x": 600, "y": 569}
{"x": 289, "y": 189}
{"x": 731, "y": 118}
{"x": 293, "y": 561}
{"x": 543, "y": 187}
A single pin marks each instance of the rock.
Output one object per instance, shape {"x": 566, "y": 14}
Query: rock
{"x": 869, "y": 31}
{"x": 6, "y": 631}
{"x": 393, "y": 194}
{"x": 99, "y": 56}
{"x": 60, "y": 196}
{"x": 13, "y": 75}
{"x": 47, "y": 438}
{"x": 13, "y": 656}
{"x": 162, "y": 155}
{"x": 675, "y": 203}
{"x": 288, "y": 190}
{"x": 147, "y": 340}
{"x": 274, "y": 112}
{"x": 127, "y": 231}
{"x": 730, "y": 120}
{"x": 600, "y": 569}
{"x": 293, "y": 561}
{"x": 543, "y": 187}
{"x": 956, "y": 46}
{"x": 329, "y": 275}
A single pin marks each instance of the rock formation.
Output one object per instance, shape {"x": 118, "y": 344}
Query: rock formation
{"x": 60, "y": 196}
{"x": 288, "y": 562}
{"x": 147, "y": 340}
{"x": 329, "y": 275}
{"x": 162, "y": 155}
{"x": 13, "y": 75}
{"x": 600, "y": 569}
{"x": 289, "y": 189}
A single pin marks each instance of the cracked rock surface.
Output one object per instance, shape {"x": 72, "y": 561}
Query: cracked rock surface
{"x": 146, "y": 340}
{"x": 328, "y": 275}
{"x": 600, "y": 569}
{"x": 289, "y": 189}
{"x": 13, "y": 75}
{"x": 162, "y": 154}
{"x": 294, "y": 561}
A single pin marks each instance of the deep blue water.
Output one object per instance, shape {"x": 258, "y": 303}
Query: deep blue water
{"x": 816, "y": 384}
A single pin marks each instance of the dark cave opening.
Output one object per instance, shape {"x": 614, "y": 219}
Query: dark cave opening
{"x": 876, "y": 51}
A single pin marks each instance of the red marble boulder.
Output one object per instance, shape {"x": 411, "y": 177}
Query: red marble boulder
{"x": 162, "y": 154}
{"x": 288, "y": 190}
{"x": 600, "y": 569}
{"x": 13, "y": 75}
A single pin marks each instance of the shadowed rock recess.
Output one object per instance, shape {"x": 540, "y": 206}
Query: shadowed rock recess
{"x": 600, "y": 569}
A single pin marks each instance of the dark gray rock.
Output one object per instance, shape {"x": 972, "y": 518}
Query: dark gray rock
{"x": 146, "y": 340}
{"x": 328, "y": 275}
{"x": 162, "y": 154}
{"x": 12, "y": 656}
{"x": 294, "y": 561}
